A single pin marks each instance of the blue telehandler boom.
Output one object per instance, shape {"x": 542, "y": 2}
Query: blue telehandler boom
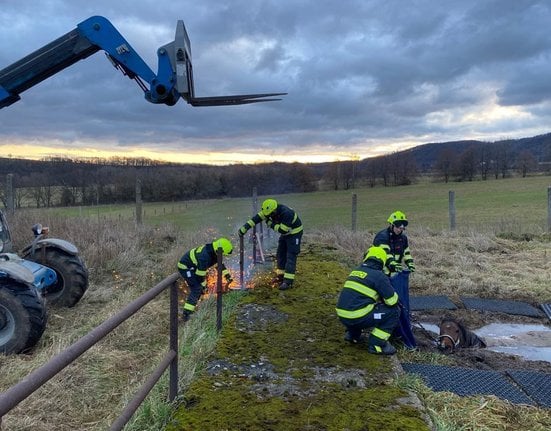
{"x": 52, "y": 269}
{"x": 174, "y": 78}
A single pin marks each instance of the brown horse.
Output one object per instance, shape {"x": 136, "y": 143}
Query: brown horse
{"x": 453, "y": 335}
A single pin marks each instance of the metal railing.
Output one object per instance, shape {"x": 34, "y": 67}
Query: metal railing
{"x": 19, "y": 392}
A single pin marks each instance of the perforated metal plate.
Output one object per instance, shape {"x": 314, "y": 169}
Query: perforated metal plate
{"x": 509, "y": 307}
{"x": 466, "y": 381}
{"x": 436, "y": 302}
{"x": 546, "y": 309}
{"x": 536, "y": 385}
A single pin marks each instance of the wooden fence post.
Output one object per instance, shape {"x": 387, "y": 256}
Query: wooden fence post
{"x": 549, "y": 209}
{"x": 138, "y": 202}
{"x": 354, "y": 210}
{"x": 10, "y": 195}
{"x": 452, "y": 209}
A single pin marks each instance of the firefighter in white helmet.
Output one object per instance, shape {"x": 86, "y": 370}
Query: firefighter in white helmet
{"x": 394, "y": 241}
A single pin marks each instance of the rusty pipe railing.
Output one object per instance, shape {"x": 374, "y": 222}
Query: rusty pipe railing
{"x": 17, "y": 393}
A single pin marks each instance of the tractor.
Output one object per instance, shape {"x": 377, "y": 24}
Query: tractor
{"x": 47, "y": 271}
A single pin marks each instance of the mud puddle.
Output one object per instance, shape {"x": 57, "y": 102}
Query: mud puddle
{"x": 529, "y": 341}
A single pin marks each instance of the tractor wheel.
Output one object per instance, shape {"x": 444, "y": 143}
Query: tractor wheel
{"x": 23, "y": 318}
{"x": 72, "y": 277}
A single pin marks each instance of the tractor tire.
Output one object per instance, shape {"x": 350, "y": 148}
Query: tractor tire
{"x": 72, "y": 277}
{"x": 23, "y": 317}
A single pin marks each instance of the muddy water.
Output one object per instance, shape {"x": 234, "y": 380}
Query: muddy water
{"x": 532, "y": 342}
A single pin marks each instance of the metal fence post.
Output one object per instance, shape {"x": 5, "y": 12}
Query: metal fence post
{"x": 173, "y": 342}
{"x": 219, "y": 290}
{"x": 242, "y": 261}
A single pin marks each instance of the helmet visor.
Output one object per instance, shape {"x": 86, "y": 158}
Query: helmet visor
{"x": 400, "y": 223}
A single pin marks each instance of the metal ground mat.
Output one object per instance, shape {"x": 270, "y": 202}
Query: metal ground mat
{"x": 436, "y": 302}
{"x": 546, "y": 309}
{"x": 536, "y": 385}
{"x": 509, "y": 307}
{"x": 467, "y": 381}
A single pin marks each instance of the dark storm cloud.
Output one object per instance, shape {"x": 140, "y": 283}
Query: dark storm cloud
{"x": 355, "y": 71}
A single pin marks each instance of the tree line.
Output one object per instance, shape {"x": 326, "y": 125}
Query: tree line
{"x": 68, "y": 182}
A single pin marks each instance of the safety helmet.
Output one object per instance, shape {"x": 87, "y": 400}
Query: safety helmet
{"x": 376, "y": 252}
{"x": 269, "y": 206}
{"x": 398, "y": 218}
{"x": 224, "y": 244}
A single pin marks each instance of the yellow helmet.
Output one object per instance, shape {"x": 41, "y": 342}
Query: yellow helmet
{"x": 398, "y": 218}
{"x": 224, "y": 244}
{"x": 376, "y": 252}
{"x": 269, "y": 206}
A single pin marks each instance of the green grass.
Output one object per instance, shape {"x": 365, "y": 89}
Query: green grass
{"x": 512, "y": 204}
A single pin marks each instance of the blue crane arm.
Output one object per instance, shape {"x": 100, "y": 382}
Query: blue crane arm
{"x": 173, "y": 80}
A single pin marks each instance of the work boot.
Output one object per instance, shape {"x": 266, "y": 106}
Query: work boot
{"x": 285, "y": 285}
{"x": 348, "y": 337}
{"x": 385, "y": 349}
{"x": 184, "y": 316}
{"x": 277, "y": 279}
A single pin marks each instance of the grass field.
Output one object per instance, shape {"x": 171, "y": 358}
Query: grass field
{"x": 125, "y": 261}
{"x": 508, "y": 205}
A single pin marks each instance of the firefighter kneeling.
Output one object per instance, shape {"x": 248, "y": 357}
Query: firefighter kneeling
{"x": 368, "y": 300}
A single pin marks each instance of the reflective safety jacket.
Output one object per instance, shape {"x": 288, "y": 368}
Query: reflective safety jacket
{"x": 396, "y": 247}
{"x": 283, "y": 220}
{"x": 199, "y": 260}
{"x": 366, "y": 286}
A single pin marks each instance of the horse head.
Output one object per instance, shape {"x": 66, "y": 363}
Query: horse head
{"x": 451, "y": 332}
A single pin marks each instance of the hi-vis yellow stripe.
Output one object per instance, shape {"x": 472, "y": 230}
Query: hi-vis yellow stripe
{"x": 192, "y": 256}
{"x": 364, "y": 290}
{"x": 355, "y": 314}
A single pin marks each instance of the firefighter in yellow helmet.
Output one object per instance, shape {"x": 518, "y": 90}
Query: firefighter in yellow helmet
{"x": 287, "y": 223}
{"x": 193, "y": 267}
{"x": 368, "y": 300}
{"x": 394, "y": 241}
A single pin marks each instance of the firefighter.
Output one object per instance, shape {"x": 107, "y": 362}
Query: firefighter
{"x": 395, "y": 242}
{"x": 368, "y": 300}
{"x": 193, "y": 267}
{"x": 286, "y": 222}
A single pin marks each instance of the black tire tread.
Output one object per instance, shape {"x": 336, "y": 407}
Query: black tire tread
{"x": 71, "y": 269}
{"x": 33, "y": 309}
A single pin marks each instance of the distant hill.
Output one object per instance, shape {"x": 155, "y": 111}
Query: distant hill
{"x": 426, "y": 155}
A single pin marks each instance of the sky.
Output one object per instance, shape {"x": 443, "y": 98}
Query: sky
{"x": 363, "y": 77}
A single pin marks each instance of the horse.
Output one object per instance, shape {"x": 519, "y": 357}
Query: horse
{"x": 453, "y": 335}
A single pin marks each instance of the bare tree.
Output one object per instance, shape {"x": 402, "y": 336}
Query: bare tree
{"x": 466, "y": 167}
{"x": 445, "y": 163}
{"x": 526, "y": 162}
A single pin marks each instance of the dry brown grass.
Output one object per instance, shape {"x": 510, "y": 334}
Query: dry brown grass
{"x": 125, "y": 261}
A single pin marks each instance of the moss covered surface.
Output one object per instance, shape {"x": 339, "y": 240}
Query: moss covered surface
{"x": 283, "y": 365}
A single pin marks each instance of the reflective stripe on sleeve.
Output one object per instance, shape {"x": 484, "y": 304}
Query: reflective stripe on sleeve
{"x": 364, "y": 290}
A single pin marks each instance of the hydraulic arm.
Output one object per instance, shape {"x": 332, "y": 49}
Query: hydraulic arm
{"x": 174, "y": 78}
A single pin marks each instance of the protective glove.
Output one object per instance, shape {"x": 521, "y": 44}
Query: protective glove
{"x": 395, "y": 266}
{"x": 228, "y": 278}
{"x": 269, "y": 223}
{"x": 411, "y": 266}
{"x": 243, "y": 229}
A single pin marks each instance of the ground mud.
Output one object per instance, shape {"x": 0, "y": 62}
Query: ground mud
{"x": 479, "y": 358}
